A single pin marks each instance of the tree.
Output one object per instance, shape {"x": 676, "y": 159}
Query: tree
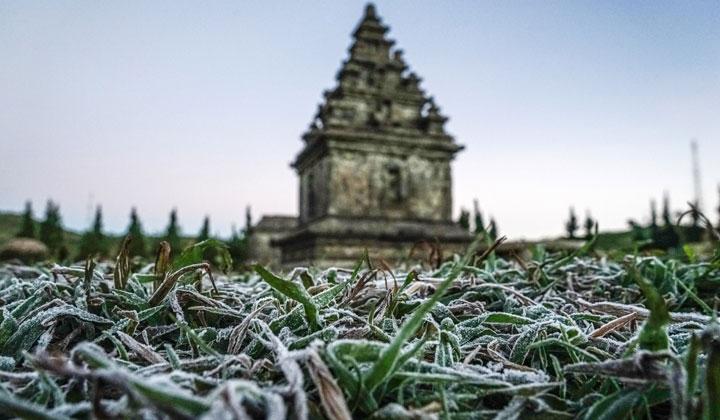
{"x": 479, "y": 224}
{"x": 464, "y": 220}
{"x": 589, "y": 225}
{"x": 667, "y": 236}
{"x": 237, "y": 247}
{"x": 210, "y": 254}
{"x": 493, "y": 230}
{"x": 718, "y": 209}
{"x": 653, "y": 214}
{"x": 694, "y": 232}
{"x": 28, "y": 224}
{"x": 204, "y": 230}
{"x": 248, "y": 221}
{"x": 94, "y": 242}
{"x": 137, "y": 237}
{"x": 571, "y": 226}
{"x": 666, "y": 214}
{"x": 172, "y": 234}
{"x": 51, "y": 231}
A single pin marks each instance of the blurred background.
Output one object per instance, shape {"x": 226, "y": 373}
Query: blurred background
{"x": 199, "y": 106}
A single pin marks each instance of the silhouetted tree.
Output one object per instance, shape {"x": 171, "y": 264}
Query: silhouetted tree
{"x": 237, "y": 247}
{"x": 93, "y": 242}
{"x": 27, "y": 230}
{"x": 653, "y": 214}
{"x": 51, "y": 231}
{"x": 718, "y": 209}
{"x": 209, "y": 254}
{"x": 588, "y": 225}
{"x": 479, "y": 224}
{"x": 694, "y": 232}
{"x": 248, "y": 221}
{"x": 666, "y": 237}
{"x": 172, "y": 234}
{"x": 493, "y": 229}
{"x": 204, "y": 230}
{"x": 464, "y": 220}
{"x": 571, "y": 226}
{"x": 666, "y": 213}
{"x": 137, "y": 242}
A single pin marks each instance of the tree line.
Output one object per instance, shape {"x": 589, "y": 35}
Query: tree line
{"x": 95, "y": 242}
{"x": 478, "y": 225}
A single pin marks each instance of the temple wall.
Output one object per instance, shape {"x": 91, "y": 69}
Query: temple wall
{"x": 389, "y": 186}
{"x": 314, "y": 197}
{"x": 261, "y": 250}
{"x": 338, "y": 252}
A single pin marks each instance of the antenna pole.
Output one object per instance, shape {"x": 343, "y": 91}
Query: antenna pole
{"x": 697, "y": 184}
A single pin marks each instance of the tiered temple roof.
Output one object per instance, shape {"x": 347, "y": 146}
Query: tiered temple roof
{"x": 376, "y": 92}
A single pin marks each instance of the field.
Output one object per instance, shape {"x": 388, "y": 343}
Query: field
{"x": 556, "y": 336}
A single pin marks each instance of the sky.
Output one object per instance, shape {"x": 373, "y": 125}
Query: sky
{"x": 200, "y": 105}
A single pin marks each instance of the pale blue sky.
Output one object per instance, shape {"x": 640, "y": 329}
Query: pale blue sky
{"x": 199, "y": 105}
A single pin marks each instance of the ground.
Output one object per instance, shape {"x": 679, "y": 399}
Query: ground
{"x": 555, "y": 336}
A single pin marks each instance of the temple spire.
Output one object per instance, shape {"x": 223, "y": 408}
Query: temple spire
{"x": 376, "y": 91}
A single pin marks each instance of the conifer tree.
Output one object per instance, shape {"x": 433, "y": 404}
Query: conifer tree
{"x": 27, "y": 229}
{"x": 204, "y": 230}
{"x": 137, "y": 237}
{"x": 666, "y": 237}
{"x": 718, "y": 209}
{"x": 694, "y": 232}
{"x": 237, "y": 247}
{"x": 666, "y": 214}
{"x": 653, "y": 214}
{"x": 571, "y": 226}
{"x": 464, "y": 220}
{"x": 479, "y": 224}
{"x": 493, "y": 230}
{"x": 248, "y": 221}
{"x": 94, "y": 242}
{"x": 51, "y": 232}
{"x": 589, "y": 225}
{"x": 172, "y": 234}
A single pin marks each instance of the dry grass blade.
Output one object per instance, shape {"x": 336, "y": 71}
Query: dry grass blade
{"x": 331, "y": 396}
{"x": 162, "y": 262}
{"x": 490, "y": 250}
{"x": 238, "y": 332}
{"x": 171, "y": 279}
{"x": 613, "y": 325}
{"x": 142, "y": 350}
{"x": 122, "y": 264}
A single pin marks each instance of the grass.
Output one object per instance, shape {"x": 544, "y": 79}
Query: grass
{"x": 559, "y": 336}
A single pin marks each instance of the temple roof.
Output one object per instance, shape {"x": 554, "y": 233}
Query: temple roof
{"x": 276, "y": 223}
{"x": 375, "y": 91}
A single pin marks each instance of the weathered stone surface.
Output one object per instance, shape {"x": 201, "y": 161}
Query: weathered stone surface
{"x": 375, "y": 168}
{"x": 268, "y": 229}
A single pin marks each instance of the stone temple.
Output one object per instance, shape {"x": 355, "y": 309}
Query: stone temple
{"x": 374, "y": 169}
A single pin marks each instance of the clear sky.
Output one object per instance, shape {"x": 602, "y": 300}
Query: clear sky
{"x": 200, "y": 105}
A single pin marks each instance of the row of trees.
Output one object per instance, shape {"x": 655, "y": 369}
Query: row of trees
{"x": 664, "y": 232}
{"x": 572, "y": 225}
{"x": 478, "y": 226}
{"x": 96, "y": 242}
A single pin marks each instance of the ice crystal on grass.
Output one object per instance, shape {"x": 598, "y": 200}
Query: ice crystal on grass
{"x": 562, "y": 337}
